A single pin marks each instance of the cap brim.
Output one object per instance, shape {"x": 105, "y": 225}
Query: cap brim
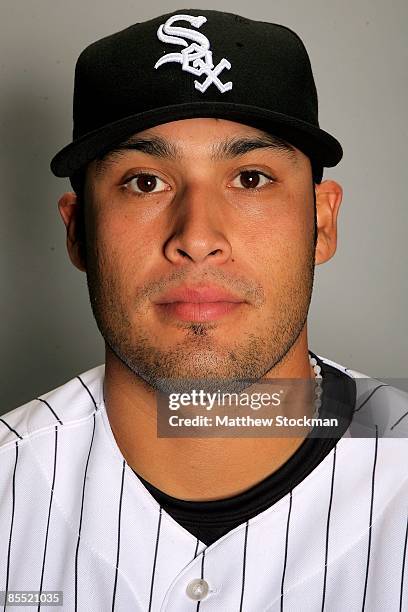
{"x": 317, "y": 144}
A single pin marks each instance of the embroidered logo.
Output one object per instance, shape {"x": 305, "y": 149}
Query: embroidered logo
{"x": 196, "y": 57}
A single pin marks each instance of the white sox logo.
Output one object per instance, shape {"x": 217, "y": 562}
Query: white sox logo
{"x": 196, "y": 57}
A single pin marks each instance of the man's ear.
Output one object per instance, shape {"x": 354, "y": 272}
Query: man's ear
{"x": 328, "y": 199}
{"x": 69, "y": 211}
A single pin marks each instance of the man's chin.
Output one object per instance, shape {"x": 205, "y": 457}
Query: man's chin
{"x": 181, "y": 371}
{"x": 210, "y": 376}
{"x": 207, "y": 385}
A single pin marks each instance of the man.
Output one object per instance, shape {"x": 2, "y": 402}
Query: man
{"x": 198, "y": 215}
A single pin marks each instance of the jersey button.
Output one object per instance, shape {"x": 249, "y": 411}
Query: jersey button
{"x": 197, "y": 589}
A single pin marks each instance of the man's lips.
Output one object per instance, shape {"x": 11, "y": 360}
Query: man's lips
{"x": 198, "y": 303}
{"x": 198, "y": 295}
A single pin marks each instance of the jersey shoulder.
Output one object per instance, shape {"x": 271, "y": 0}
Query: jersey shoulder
{"x": 73, "y": 401}
{"x": 381, "y": 409}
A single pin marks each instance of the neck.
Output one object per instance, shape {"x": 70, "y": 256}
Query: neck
{"x": 194, "y": 468}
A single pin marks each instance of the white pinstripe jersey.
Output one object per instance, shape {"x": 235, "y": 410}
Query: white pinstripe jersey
{"x": 75, "y": 517}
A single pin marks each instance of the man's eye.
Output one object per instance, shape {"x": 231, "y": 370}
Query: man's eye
{"x": 146, "y": 183}
{"x": 251, "y": 179}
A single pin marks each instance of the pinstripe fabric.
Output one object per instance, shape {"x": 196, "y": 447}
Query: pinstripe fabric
{"x": 286, "y": 552}
{"x": 75, "y": 517}
{"x": 49, "y": 509}
{"x": 403, "y": 568}
{"x": 201, "y": 576}
{"x": 326, "y": 556}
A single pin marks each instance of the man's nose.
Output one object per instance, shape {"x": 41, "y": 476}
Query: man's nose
{"x": 198, "y": 229}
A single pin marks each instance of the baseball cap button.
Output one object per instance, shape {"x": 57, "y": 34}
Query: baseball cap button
{"x": 197, "y": 589}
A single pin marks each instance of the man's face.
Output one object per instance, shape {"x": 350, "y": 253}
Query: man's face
{"x": 200, "y": 251}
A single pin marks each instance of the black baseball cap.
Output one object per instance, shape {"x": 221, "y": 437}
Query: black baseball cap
{"x": 195, "y": 63}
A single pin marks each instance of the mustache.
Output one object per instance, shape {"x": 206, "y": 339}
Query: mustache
{"x": 245, "y": 288}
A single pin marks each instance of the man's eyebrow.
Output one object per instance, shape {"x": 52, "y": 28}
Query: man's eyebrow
{"x": 155, "y": 145}
{"x": 234, "y": 147}
{"x": 162, "y": 148}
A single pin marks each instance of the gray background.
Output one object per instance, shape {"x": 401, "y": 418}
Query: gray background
{"x": 359, "y": 55}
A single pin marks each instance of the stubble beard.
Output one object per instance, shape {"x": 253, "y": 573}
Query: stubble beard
{"x": 199, "y": 362}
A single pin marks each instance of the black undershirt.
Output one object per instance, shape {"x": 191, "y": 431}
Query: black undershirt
{"x": 210, "y": 520}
